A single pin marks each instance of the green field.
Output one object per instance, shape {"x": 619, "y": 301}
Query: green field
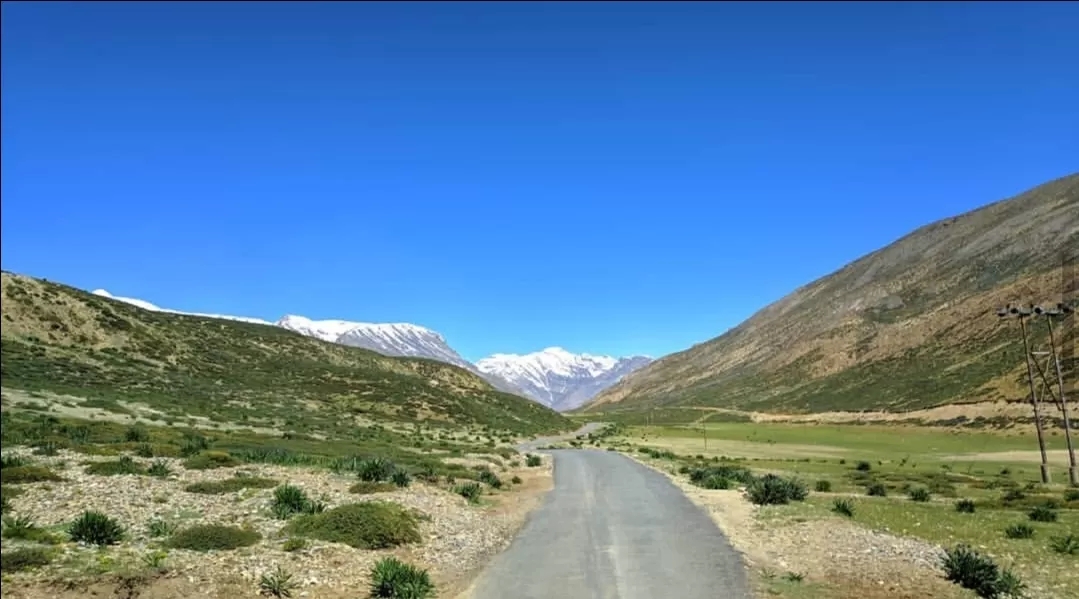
{"x": 998, "y": 472}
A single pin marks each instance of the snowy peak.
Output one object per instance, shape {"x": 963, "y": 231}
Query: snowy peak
{"x": 557, "y": 378}
{"x": 145, "y": 305}
{"x": 327, "y": 330}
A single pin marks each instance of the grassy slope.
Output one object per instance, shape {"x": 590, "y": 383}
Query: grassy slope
{"x": 909, "y": 326}
{"x": 60, "y": 339}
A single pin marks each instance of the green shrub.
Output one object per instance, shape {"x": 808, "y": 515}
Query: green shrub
{"x": 18, "y": 475}
{"x": 1042, "y": 513}
{"x": 294, "y": 544}
{"x": 124, "y": 465}
{"x": 193, "y": 445}
{"x": 160, "y": 469}
{"x": 24, "y": 559}
{"x": 698, "y": 475}
{"x": 366, "y": 488}
{"x": 919, "y": 494}
{"x": 213, "y": 537}
{"x": 972, "y": 570}
{"x": 289, "y": 500}
{"x": 24, "y": 528}
{"x": 533, "y": 461}
{"x": 144, "y": 450}
{"x": 516, "y": 480}
{"x": 486, "y": 476}
{"x": 1071, "y": 495}
{"x": 964, "y": 506}
{"x": 47, "y": 448}
{"x": 1067, "y": 544}
{"x": 843, "y": 507}
{"x": 715, "y": 482}
{"x": 470, "y": 491}
{"x": 136, "y": 434}
{"x": 95, "y": 528}
{"x": 876, "y": 490}
{"x": 1019, "y": 531}
{"x": 230, "y": 485}
{"x": 277, "y": 583}
{"x": 774, "y": 490}
{"x": 375, "y": 469}
{"x": 395, "y": 579}
{"x": 160, "y": 528}
{"x": 368, "y": 525}
{"x": 13, "y": 460}
{"x": 155, "y": 559}
{"x": 401, "y": 479}
{"x": 823, "y": 486}
{"x": 863, "y": 466}
{"x": 208, "y": 460}
{"x": 1014, "y": 495}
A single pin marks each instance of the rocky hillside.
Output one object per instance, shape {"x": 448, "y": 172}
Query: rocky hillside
{"x": 909, "y": 326}
{"x": 63, "y": 340}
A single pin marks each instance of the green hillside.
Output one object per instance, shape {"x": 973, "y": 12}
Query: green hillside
{"x": 180, "y": 368}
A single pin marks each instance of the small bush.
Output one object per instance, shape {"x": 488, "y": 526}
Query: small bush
{"x": 533, "y": 461}
{"x": 919, "y": 494}
{"x": 95, "y": 528}
{"x": 699, "y": 475}
{"x": 486, "y": 476}
{"x": 395, "y": 579}
{"x": 230, "y": 485}
{"x": 124, "y": 465}
{"x": 277, "y": 583}
{"x": 876, "y": 490}
{"x": 24, "y": 528}
{"x": 375, "y": 469}
{"x": 964, "y": 506}
{"x": 470, "y": 491}
{"x": 213, "y": 537}
{"x": 1071, "y": 495}
{"x": 160, "y": 469}
{"x": 972, "y": 570}
{"x": 401, "y": 479}
{"x": 823, "y": 486}
{"x": 516, "y": 480}
{"x": 136, "y": 434}
{"x": 794, "y": 577}
{"x": 289, "y": 500}
{"x": 18, "y": 475}
{"x": 160, "y": 528}
{"x": 13, "y": 460}
{"x": 774, "y": 490}
{"x": 843, "y": 507}
{"x": 1042, "y": 513}
{"x": 294, "y": 544}
{"x": 1014, "y": 495}
{"x": 863, "y": 466}
{"x": 366, "y": 488}
{"x": 208, "y": 460}
{"x": 1019, "y": 531}
{"x": 1067, "y": 544}
{"x": 144, "y": 450}
{"x": 155, "y": 560}
{"x": 715, "y": 482}
{"x": 48, "y": 449}
{"x": 24, "y": 559}
{"x": 368, "y": 525}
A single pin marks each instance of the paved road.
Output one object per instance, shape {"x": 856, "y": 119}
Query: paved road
{"x": 613, "y": 529}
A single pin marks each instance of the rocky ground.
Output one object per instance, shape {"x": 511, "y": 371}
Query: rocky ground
{"x": 458, "y": 537}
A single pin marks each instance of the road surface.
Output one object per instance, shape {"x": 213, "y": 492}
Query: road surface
{"x": 614, "y": 529}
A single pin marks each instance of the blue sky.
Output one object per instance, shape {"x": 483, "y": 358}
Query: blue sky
{"x": 610, "y": 178}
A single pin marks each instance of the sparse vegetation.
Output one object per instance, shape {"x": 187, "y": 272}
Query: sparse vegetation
{"x": 490, "y": 478}
{"x": 213, "y": 537}
{"x": 532, "y": 460}
{"x": 160, "y": 469}
{"x": 470, "y": 491}
{"x": 230, "y": 485}
{"x": 516, "y": 480}
{"x": 1019, "y": 531}
{"x": 972, "y": 570}
{"x": 277, "y": 583}
{"x": 401, "y": 479}
{"x": 843, "y": 507}
{"x": 367, "y": 488}
{"x": 1042, "y": 513}
{"x": 95, "y": 528}
{"x": 863, "y": 466}
{"x": 775, "y": 490}
{"x": 208, "y": 460}
{"x": 919, "y": 494}
{"x": 294, "y": 544}
{"x": 160, "y": 528}
{"x": 26, "y": 558}
{"x": 392, "y": 578}
{"x": 124, "y": 465}
{"x": 964, "y": 506}
{"x": 368, "y": 525}
{"x": 24, "y": 528}
{"x": 876, "y": 490}
{"x": 823, "y": 486}
{"x": 18, "y": 475}
{"x": 289, "y": 500}
{"x": 1066, "y": 544}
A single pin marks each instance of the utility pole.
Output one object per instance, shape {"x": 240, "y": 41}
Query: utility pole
{"x": 1022, "y": 314}
{"x": 1062, "y": 311}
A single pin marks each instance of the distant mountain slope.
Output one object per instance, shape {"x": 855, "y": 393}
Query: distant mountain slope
{"x": 61, "y": 339}
{"x": 557, "y": 378}
{"x": 908, "y": 326}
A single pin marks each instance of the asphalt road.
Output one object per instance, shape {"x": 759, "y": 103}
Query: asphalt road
{"x": 613, "y": 529}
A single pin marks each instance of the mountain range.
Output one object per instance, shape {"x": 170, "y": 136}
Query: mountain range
{"x": 911, "y": 325}
{"x": 553, "y": 377}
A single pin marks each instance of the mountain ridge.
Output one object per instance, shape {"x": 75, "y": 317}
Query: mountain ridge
{"x": 909, "y": 325}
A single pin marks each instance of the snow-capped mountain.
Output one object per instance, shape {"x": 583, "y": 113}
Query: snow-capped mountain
{"x": 553, "y": 377}
{"x": 557, "y": 378}
{"x": 145, "y": 305}
{"x": 391, "y": 339}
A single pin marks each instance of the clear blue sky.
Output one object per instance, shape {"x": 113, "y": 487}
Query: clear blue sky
{"x": 611, "y": 178}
